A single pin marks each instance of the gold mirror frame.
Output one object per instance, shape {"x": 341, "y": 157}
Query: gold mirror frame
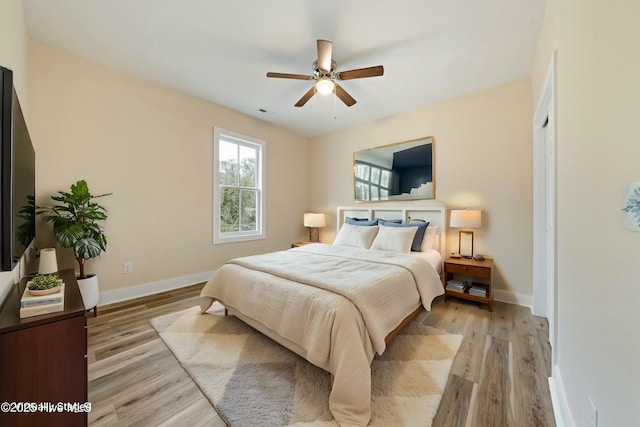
{"x": 374, "y": 167}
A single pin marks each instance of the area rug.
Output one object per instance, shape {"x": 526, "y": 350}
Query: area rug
{"x": 253, "y": 381}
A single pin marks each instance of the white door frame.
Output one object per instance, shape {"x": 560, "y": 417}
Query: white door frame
{"x": 544, "y": 207}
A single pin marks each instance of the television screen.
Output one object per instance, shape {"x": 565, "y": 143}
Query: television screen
{"x": 17, "y": 190}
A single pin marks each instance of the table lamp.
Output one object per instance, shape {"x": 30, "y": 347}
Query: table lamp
{"x": 314, "y": 221}
{"x": 48, "y": 263}
{"x": 465, "y": 219}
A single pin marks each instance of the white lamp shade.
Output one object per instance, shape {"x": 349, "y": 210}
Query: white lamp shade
{"x": 314, "y": 220}
{"x": 465, "y": 218}
{"x": 48, "y": 263}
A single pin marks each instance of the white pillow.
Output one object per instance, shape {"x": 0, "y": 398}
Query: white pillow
{"x": 431, "y": 238}
{"x": 358, "y": 236}
{"x": 394, "y": 239}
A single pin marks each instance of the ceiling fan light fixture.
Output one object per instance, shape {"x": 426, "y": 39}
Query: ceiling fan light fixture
{"x": 325, "y": 85}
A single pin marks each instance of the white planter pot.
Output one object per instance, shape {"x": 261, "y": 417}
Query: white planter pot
{"x": 90, "y": 291}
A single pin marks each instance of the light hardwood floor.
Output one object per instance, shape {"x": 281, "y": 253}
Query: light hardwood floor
{"x": 499, "y": 377}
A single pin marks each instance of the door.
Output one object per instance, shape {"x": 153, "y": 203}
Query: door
{"x": 544, "y": 210}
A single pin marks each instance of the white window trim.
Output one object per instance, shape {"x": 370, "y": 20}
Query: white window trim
{"x": 261, "y": 233}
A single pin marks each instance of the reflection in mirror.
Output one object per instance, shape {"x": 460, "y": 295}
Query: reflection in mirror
{"x": 401, "y": 171}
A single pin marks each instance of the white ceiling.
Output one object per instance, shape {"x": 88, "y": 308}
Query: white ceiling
{"x": 220, "y": 51}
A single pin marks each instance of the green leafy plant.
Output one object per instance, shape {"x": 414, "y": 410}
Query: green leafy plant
{"x": 76, "y": 223}
{"x": 633, "y": 205}
{"x": 46, "y": 281}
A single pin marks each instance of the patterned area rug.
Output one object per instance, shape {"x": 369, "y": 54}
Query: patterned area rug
{"x": 253, "y": 381}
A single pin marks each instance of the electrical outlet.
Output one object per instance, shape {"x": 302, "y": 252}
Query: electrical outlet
{"x": 127, "y": 268}
{"x": 593, "y": 414}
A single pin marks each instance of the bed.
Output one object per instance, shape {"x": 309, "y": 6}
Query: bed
{"x": 339, "y": 304}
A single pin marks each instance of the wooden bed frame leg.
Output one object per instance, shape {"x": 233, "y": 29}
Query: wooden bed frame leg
{"x": 207, "y": 302}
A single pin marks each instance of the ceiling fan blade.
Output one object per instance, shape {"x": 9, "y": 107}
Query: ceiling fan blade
{"x": 324, "y": 55}
{"x": 289, "y": 76}
{"x": 307, "y": 96}
{"x": 361, "y": 73}
{"x": 344, "y": 96}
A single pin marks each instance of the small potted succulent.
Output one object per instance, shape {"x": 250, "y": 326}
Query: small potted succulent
{"x": 45, "y": 284}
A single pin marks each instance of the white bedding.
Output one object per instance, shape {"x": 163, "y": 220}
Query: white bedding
{"x": 332, "y": 305}
{"x": 433, "y": 257}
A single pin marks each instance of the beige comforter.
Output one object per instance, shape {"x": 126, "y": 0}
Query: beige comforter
{"x": 332, "y": 305}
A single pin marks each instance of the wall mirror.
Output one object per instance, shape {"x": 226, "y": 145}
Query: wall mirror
{"x": 400, "y": 171}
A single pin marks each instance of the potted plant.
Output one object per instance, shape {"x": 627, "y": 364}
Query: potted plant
{"x": 45, "y": 284}
{"x": 76, "y": 225}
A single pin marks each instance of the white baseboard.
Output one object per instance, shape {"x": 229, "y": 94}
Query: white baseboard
{"x": 111, "y": 297}
{"x": 513, "y": 298}
{"x": 559, "y": 400}
{"x": 146, "y": 289}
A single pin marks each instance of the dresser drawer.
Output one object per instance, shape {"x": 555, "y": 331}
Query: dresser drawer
{"x": 469, "y": 270}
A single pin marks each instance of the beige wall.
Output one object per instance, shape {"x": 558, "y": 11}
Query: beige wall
{"x": 598, "y": 152}
{"x": 483, "y": 160}
{"x": 14, "y": 54}
{"x": 151, "y": 147}
{"x": 14, "y": 47}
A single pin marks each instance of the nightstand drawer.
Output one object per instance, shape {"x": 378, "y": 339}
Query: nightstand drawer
{"x": 469, "y": 270}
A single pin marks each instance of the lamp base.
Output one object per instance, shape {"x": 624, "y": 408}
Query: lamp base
{"x": 465, "y": 243}
{"x": 314, "y": 234}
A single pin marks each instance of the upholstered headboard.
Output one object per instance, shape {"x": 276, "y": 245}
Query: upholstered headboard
{"x": 434, "y": 214}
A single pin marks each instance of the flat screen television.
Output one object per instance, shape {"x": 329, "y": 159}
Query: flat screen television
{"x": 17, "y": 177}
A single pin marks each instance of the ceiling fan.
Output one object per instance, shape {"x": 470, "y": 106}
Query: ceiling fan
{"x": 326, "y": 76}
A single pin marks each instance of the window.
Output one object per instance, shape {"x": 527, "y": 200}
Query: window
{"x": 238, "y": 179}
{"x": 372, "y": 182}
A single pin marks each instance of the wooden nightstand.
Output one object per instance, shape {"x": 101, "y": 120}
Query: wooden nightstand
{"x": 476, "y": 273}
{"x": 298, "y": 244}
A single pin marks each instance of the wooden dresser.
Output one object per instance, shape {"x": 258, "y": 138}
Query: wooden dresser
{"x": 43, "y": 362}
